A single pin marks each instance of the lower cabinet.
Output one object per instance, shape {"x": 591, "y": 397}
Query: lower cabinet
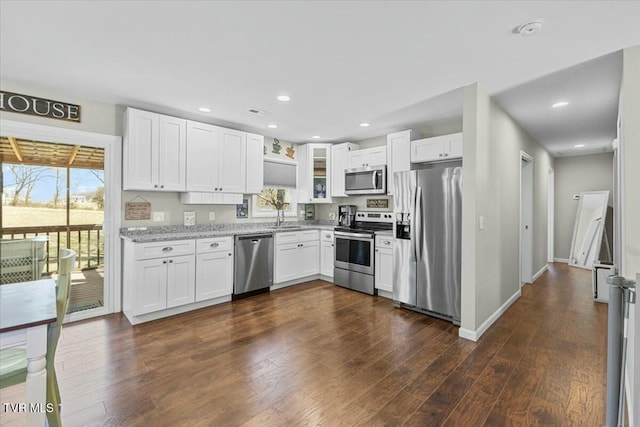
{"x": 163, "y": 282}
{"x": 297, "y": 254}
{"x": 384, "y": 263}
{"x": 214, "y": 268}
{"x": 327, "y": 253}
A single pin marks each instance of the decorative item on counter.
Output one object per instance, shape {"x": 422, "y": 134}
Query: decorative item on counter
{"x": 189, "y": 218}
{"x": 291, "y": 152}
{"x": 242, "y": 210}
{"x": 276, "y": 146}
{"x": 309, "y": 212}
{"x": 320, "y": 191}
{"x": 378, "y": 203}
{"x": 137, "y": 211}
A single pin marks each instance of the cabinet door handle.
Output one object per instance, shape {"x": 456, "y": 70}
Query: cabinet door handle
{"x": 170, "y": 261}
{"x": 376, "y": 250}
{"x": 155, "y": 185}
{"x": 221, "y": 189}
{"x": 215, "y": 189}
{"x": 446, "y": 154}
{"x": 162, "y": 186}
{"x": 164, "y": 262}
{"x": 167, "y": 249}
{"x": 214, "y": 245}
{"x": 332, "y": 245}
{"x": 229, "y": 254}
{"x": 440, "y": 155}
{"x": 386, "y": 242}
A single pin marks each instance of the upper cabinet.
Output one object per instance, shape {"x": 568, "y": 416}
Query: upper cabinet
{"x": 255, "y": 164}
{"x": 154, "y": 152}
{"x": 438, "y": 148}
{"x": 314, "y": 173}
{"x": 216, "y": 158}
{"x": 340, "y": 162}
{"x": 398, "y": 155}
{"x": 375, "y": 156}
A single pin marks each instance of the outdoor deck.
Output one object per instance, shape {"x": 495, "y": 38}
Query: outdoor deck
{"x": 87, "y": 290}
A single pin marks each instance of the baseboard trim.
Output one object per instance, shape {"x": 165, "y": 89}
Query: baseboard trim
{"x": 564, "y": 260}
{"x": 475, "y": 335}
{"x": 539, "y": 273}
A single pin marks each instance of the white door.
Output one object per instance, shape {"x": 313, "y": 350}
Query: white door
{"x": 309, "y": 258}
{"x": 377, "y": 156}
{"x": 455, "y": 146}
{"x": 357, "y": 158}
{"x": 141, "y": 151}
{"x": 526, "y": 219}
{"x": 287, "y": 262}
{"x": 398, "y": 155}
{"x": 426, "y": 150}
{"x": 202, "y": 157}
{"x": 181, "y": 280}
{"x": 340, "y": 156}
{"x": 326, "y": 259}
{"x": 384, "y": 269}
{"x": 232, "y": 164}
{"x": 255, "y": 164}
{"x": 151, "y": 286}
{"x": 172, "y": 151}
{"x": 214, "y": 275}
{"x": 550, "y": 216}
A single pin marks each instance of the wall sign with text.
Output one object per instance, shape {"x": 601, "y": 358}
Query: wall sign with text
{"x": 26, "y": 104}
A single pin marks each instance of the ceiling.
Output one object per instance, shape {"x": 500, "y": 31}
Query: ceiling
{"x": 392, "y": 64}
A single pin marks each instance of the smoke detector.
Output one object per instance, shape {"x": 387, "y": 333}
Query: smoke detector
{"x": 530, "y": 28}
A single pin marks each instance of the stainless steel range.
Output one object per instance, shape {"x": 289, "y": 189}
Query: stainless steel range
{"x": 355, "y": 246}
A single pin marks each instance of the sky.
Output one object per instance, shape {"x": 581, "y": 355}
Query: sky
{"x": 82, "y": 181}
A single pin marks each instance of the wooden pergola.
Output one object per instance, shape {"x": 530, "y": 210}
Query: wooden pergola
{"x": 26, "y": 152}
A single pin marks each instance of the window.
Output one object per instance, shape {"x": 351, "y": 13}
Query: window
{"x": 260, "y": 207}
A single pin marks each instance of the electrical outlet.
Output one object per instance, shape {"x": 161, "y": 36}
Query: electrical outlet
{"x": 212, "y": 216}
{"x": 158, "y": 216}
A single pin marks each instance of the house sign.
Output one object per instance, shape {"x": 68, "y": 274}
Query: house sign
{"x": 26, "y": 104}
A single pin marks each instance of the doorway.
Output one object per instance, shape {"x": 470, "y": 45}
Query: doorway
{"x": 526, "y": 218}
{"x": 97, "y": 241}
{"x": 550, "y": 215}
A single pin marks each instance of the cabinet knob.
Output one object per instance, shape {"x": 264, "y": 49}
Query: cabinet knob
{"x": 221, "y": 189}
{"x": 229, "y": 254}
{"x": 446, "y": 154}
{"x": 215, "y": 189}
{"x": 162, "y": 186}
{"x": 376, "y": 250}
{"x": 155, "y": 185}
{"x": 440, "y": 155}
{"x": 164, "y": 262}
{"x": 170, "y": 261}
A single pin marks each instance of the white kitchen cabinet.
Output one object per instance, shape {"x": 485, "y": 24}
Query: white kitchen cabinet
{"x": 164, "y": 276}
{"x": 314, "y": 173}
{"x": 327, "y": 254}
{"x": 383, "y": 262}
{"x": 340, "y": 162}
{"x": 255, "y": 164}
{"x": 438, "y": 148}
{"x": 398, "y": 155}
{"x": 375, "y": 156}
{"x": 205, "y": 198}
{"x": 214, "y": 268}
{"x": 154, "y": 152}
{"x": 297, "y": 254}
{"x": 216, "y": 159}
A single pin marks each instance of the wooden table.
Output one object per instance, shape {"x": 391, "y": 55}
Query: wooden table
{"x": 26, "y": 309}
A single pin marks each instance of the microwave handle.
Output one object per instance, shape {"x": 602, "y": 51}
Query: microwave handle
{"x": 374, "y": 179}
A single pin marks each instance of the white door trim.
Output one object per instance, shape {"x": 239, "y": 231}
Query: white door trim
{"x": 113, "y": 171}
{"x": 551, "y": 215}
{"x": 526, "y": 157}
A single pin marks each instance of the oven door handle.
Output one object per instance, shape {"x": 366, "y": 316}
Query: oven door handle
{"x": 374, "y": 180}
{"x": 348, "y": 235}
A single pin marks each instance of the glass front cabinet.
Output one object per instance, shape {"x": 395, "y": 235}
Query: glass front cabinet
{"x": 314, "y": 173}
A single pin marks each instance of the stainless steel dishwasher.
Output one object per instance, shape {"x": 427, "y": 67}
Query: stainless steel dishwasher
{"x": 254, "y": 264}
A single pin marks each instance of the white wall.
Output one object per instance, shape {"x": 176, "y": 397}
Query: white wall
{"x": 573, "y": 175}
{"x": 490, "y": 264}
{"x": 630, "y": 162}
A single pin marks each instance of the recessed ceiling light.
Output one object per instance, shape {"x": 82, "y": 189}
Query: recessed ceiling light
{"x": 315, "y": 137}
{"x": 578, "y": 146}
{"x": 530, "y": 28}
{"x": 560, "y": 104}
{"x": 204, "y": 109}
{"x": 283, "y": 98}
{"x": 364, "y": 125}
{"x": 272, "y": 126}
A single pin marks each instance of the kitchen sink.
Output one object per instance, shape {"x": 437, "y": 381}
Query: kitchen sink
{"x": 286, "y": 227}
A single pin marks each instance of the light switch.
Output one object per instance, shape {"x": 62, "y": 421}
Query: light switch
{"x": 481, "y": 222}
{"x": 212, "y": 216}
{"x": 158, "y": 216}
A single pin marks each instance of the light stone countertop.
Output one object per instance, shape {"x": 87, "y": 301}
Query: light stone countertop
{"x": 203, "y": 231}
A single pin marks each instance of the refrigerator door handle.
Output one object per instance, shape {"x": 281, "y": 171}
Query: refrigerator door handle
{"x": 417, "y": 219}
{"x": 413, "y": 224}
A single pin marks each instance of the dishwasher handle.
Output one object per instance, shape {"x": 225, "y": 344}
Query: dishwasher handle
{"x": 255, "y": 237}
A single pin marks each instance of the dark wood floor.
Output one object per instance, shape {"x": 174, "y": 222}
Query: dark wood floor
{"x": 317, "y": 354}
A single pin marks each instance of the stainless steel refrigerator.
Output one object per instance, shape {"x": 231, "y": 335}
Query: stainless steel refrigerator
{"x": 427, "y": 250}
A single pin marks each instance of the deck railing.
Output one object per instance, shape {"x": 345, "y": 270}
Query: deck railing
{"x": 85, "y": 239}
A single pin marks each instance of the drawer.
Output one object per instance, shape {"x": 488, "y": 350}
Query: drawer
{"x": 309, "y": 235}
{"x": 326, "y": 236}
{"x": 287, "y": 237}
{"x": 214, "y": 244}
{"x": 384, "y": 242}
{"x": 165, "y": 249}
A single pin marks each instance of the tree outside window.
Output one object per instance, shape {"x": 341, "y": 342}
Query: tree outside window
{"x": 267, "y": 202}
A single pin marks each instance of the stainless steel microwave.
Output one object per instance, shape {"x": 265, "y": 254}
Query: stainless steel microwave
{"x": 367, "y": 180}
